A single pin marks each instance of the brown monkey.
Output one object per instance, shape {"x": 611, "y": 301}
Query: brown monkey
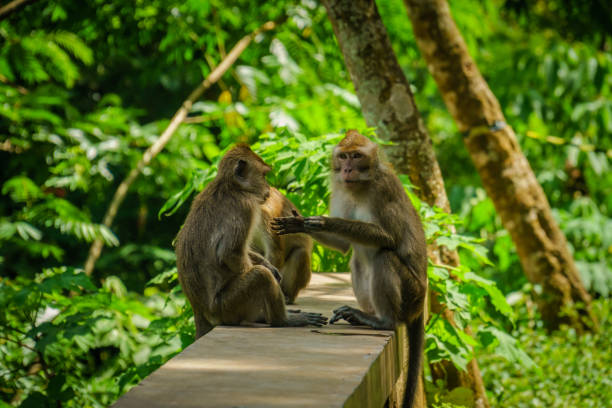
{"x": 226, "y": 282}
{"x": 289, "y": 253}
{"x": 371, "y": 212}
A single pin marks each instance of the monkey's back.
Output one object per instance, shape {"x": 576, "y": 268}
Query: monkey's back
{"x": 403, "y": 222}
{"x": 213, "y": 227}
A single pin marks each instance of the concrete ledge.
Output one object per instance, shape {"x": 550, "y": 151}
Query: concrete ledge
{"x": 259, "y": 366}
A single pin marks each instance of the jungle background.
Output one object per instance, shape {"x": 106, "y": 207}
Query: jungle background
{"x": 87, "y": 87}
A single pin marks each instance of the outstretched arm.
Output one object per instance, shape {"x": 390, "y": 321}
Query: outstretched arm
{"x": 356, "y": 232}
{"x": 332, "y": 241}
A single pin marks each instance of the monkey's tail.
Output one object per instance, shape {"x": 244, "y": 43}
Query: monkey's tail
{"x": 416, "y": 334}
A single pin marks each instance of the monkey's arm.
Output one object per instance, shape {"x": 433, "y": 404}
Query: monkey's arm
{"x": 297, "y": 224}
{"x": 332, "y": 241}
{"x": 356, "y": 232}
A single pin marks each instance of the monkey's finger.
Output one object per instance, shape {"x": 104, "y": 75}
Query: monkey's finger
{"x": 352, "y": 319}
{"x": 295, "y": 213}
{"x": 294, "y": 310}
{"x": 287, "y": 229}
{"x": 317, "y": 320}
{"x": 286, "y": 225}
{"x": 280, "y": 226}
{"x": 335, "y": 318}
{"x": 342, "y": 309}
{"x": 344, "y": 313}
{"x": 288, "y": 219}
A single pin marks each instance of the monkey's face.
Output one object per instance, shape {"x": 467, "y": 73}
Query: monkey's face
{"x": 352, "y": 167}
{"x": 354, "y": 161}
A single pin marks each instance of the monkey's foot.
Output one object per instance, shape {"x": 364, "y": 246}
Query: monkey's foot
{"x": 358, "y": 318}
{"x": 299, "y": 319}
{"x": 350, "y": 314}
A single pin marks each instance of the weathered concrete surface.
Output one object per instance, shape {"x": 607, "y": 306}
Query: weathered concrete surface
{"x": 259, "y": 366}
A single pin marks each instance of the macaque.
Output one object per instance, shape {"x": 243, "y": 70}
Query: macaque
{"x": 371, "y": 213}
{"x": 289, "y": 253}
{"x": 224, "y": 280}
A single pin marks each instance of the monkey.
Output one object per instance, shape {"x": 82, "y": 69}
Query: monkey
{"x": 289, "y": 253}
{"x": 224, "y": 280}
{"x": 370, "y": 212}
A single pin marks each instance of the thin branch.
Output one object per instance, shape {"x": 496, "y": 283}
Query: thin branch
{"x": 18, "y": 342}
{"x": 160, "y": 143}
{"x": 5, "y": 11}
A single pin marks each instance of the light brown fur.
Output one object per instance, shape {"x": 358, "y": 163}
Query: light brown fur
{"x": 289, "y": 253}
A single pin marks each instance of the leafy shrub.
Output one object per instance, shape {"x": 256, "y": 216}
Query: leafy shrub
{"x": 572, "y": 370}
{"x": 65, "y": 342}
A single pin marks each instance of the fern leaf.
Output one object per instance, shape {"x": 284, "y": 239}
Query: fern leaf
{"x": 59, "y": 64}
{"x": 73, "y": 44}
{"x": 28, "y": 66}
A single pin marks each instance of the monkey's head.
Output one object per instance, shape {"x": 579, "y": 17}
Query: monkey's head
{"x": 246, "y": 171}
{"x": 354, "y": 161}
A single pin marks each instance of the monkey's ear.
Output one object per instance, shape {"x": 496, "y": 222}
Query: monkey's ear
{"x": 240, "y": 170}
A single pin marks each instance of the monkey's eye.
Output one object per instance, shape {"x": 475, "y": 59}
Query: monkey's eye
{"x": 357, "y": 155}
{"x": 342, "y": 156}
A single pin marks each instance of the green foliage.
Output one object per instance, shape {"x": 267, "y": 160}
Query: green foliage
{"x": 68, "y": 340}
{"x": 574, "y": 370}
{"x": 35, "y": 211}
{"x": 86, "y": 87}
{"x": 41, "y": 56}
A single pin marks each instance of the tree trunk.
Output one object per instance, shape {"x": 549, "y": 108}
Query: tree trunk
{"x": 388, "y": 105}
{"x": 504, "y": 170}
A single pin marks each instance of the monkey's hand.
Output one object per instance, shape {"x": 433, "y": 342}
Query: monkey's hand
{"x": 299, "y": 319}
{"x": 276, "y": 274}
{"x": 260, "y": 260}
{"x": 297, "y": 224}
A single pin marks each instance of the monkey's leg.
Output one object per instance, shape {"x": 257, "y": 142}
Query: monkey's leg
{"x": 296, "y": 273}
{"x": 254, "y": 291}
{"x": 385, "y": 287}
{"x": 250, "y": 294}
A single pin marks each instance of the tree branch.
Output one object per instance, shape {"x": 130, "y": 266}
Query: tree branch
{"x": 5, "y": 11}
{"x": 180, "y": 115}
